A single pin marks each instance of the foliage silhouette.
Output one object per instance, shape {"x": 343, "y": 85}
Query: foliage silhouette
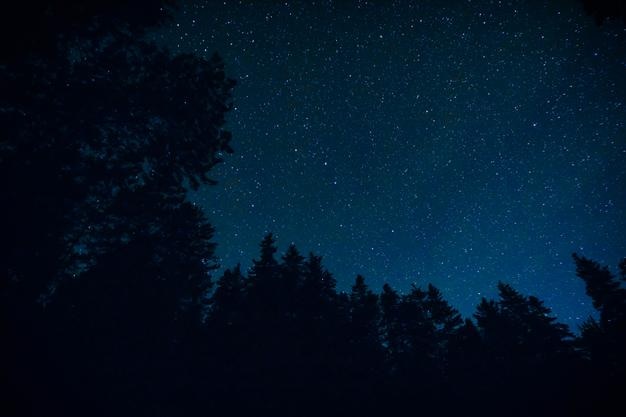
{"x": 106, "y": 265}
{"x": 604, "y": 340}
{"x": 107, "y": 303}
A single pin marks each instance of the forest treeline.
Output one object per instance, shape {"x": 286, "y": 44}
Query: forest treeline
{"x": 109, "y": 300}
{"x": 281, "y": 340}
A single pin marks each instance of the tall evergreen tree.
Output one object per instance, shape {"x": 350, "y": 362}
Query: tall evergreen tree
{"x": 291, "y": 278}
{"x": 264, "y": 277}
{"x": 266, "y": 264}
{"x": 391, "y": 325}
{"x": 318, "y": 284}
{"x": 229, "y": 296}
{"x": 525, "y": 350}
{"x": 604, "y": 289}
{"x": 604, "y": 340}
{"x": 114, "y": 120}
{"x": 520, "y": 325}
{"x": 364, "y": 313}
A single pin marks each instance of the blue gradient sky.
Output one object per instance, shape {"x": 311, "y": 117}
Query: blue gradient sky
{"x": 458, "y": 143}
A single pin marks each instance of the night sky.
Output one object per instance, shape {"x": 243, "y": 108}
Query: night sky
{"x": 452, "y": 142}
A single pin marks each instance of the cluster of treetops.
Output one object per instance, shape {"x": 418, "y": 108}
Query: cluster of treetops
{"x": 124, "y": 339}
{"x": 108, "y": 304}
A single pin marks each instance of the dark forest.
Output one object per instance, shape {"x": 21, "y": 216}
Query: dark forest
{"x": 114, "y": 303}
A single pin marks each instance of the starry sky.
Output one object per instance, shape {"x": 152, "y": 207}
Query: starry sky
{"x": 452, "y": 142}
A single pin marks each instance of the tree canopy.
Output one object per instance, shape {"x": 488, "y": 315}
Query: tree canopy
{"x": 107, "y": 299}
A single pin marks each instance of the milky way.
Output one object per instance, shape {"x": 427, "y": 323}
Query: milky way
{"x": 458, "y": 143}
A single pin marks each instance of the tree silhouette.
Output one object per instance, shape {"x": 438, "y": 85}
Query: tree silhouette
{"x": 604, "y": 289}
{"x": 525, "y": 352}
{"x": 107, "y": 265}
{"x": 364, "y": 363}
{"x": 391, "y": 328}
{"x": 604, "y": 340}
{"x": 318, "y": 284}
{"x": 107, "y": 304}
{"x": 521, "y": 325}
{"x": 363, "y": 314}
{"x": 150, "y": 122}
{"x": 266, "y": 266}
{"x": 228, "y": 298}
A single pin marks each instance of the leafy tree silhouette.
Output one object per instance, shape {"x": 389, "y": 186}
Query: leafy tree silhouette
{"x": 122, "y": 121}
{"x": 107, "y": 266}
{"x": 105, "y": 297}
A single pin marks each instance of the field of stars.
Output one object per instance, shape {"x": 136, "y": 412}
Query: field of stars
{"x": 453, "y": 142}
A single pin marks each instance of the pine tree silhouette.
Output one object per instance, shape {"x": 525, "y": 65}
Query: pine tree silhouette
{"x": 107, "y": 304}
{"x": 604, "y": 340}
